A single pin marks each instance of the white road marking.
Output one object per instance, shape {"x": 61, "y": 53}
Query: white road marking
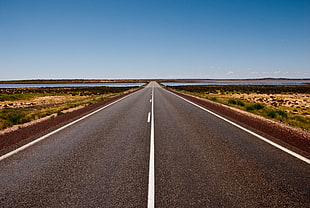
{"x": 149, "y": 117}
{"x": 59, "y": 129}
{"x": 249, "y": 131}
{"x": 151, "y": 185}
{"x": 150, "y": 100}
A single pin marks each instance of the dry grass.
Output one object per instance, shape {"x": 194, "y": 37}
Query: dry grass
{"x": 295, "y": 104}
{"x": 19, "y": 106}
{"x": 290, "y": 107}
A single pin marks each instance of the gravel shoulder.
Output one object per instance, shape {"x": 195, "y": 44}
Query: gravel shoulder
{"x": 295, "y": 137}
{"x": 15, "y": 137}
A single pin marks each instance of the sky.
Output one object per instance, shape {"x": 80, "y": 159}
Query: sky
{"x": 134, "y": 39}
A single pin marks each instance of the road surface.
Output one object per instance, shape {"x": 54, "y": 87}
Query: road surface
{"x": 153, "y": 149}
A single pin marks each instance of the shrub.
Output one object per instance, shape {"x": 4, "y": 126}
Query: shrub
{"x": 240, "y": 103}
{"x": 4, "y": 124}
{"x": 258, "y": 106}
{"x": 15, "y": 118}
{"x": 272, "y": 114}
{"x": 249, "y": 108}
{"x": 300, "y": 119}
{"x": 232, "y": 102}
{"x": 236, "y": 102}
{"x": 282, "y": 113}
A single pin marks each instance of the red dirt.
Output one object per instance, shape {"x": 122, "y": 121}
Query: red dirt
{"x": 293, "y": 136}
{"x": 14, "y": 138}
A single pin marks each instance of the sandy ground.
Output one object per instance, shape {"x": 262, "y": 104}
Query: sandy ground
{"x": 20, "y": 126}
{"x": 296, "y": 104}
{"x": 45, "y": 100}
{"x": 19, "y": 134}
{"x": 292, "y": 135}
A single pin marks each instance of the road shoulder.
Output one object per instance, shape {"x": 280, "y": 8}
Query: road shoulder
{"x": 298, "y": 138}
{"x": 14, "y": 139}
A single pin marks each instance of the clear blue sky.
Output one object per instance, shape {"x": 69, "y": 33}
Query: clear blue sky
{"x": 154, "y": 39}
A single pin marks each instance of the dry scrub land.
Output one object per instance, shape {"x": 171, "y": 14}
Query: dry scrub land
{"x": 18, "y": 107}
{"x": 288, "y": 104}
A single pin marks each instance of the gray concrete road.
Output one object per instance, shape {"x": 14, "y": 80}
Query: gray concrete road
{"x": 199, "y": 161}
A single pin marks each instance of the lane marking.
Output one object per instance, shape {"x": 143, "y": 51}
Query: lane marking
{"x": 149, "y": 117}
{"x": 249, "y": 131}
{"x": 151, "y": 185}
{"x": 59, "y": 129}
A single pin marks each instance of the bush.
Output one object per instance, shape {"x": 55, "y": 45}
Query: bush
{"x": 282, "y": 113}
{"x": 249, "y": 108}
{"x": 258, "y": 106}
{"x": 272, "y": 114}
{"x": 300, "y": 119}
{"x": 232, "y": 102}
{"x": 15, "y": 118}
{"x": 4, "y": 124}
{"x": 240, "y": 103}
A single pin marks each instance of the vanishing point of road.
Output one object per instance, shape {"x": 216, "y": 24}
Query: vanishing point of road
{"x": 152, "y": 149}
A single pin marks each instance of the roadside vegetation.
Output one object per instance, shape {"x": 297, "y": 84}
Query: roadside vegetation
{"x": 289, "y": 104}
{"x": 22, "y": 105}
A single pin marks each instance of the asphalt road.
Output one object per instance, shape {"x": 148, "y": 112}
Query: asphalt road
{"x": 199, "y": 160}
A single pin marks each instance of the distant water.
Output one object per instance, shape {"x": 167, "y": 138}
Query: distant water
{"x": 72, "y": 85}
{"x": 245, "y": 82}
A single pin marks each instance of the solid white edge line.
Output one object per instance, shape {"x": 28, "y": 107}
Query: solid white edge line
{"x": 59, "y": 129}
{"x": 151, "y": 184}
{"x": 249, "y": 131}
